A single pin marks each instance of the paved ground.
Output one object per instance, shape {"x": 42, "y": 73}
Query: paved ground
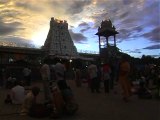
{"x": 96, "y": 106}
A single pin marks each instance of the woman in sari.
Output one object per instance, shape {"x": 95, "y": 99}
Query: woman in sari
{"x": 124, "y": 70}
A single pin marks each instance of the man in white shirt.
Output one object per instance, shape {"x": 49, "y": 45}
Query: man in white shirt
{"x": 60, "y": 75}
{"x": 27, "y": 75}
{"x": 17, "y": 93}
{"x": 93, "y": 76}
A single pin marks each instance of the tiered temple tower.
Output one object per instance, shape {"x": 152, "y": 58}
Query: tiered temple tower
{"x": 59, "y": 41}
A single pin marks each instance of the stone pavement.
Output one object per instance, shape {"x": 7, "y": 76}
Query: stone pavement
{"x": 95, "y": 106}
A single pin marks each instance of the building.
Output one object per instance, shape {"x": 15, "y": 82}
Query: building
{"x": 107, "y": 51}
{"x": 59, "y": 41}
{"x": 58, "y": 44}
{"x": 13, "y": 54}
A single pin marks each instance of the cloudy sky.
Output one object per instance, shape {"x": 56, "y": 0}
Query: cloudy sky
{"x": 26, "y": 23}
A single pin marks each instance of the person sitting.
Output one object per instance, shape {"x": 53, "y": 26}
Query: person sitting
{"x": 71, "y": 105}
{"x": 29, "y": 100}
{"x": 143, "y": 92}
{"x": 31, "y": 106}
{"x": 17, "y": 93}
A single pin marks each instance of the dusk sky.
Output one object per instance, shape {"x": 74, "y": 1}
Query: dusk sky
{"x": 26, "y": 23}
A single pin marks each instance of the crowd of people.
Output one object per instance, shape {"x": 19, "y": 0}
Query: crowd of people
{"x": 133, "y": 80}
{"x": 58, "y": 95}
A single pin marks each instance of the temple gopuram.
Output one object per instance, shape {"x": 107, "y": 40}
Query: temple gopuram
{"x": 59, "y": 42}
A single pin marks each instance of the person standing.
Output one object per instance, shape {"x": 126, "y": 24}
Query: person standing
{"x": 94, "y": 83}
{"x": 106, "y": 77}
{"x": 60, "y": 75}
{"x": 27, "y": 75}
{"x": 78, "y": 77}
{"x": 45, "y": 73}
{"x": 124, "y": 70}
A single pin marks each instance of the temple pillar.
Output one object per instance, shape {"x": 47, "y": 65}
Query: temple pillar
{"x": 107, "y": 41}
{"x": 99, "y": 44}
{"x": 115, "y": 40}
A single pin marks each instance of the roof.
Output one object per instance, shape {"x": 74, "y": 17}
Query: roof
{"x": 20, "y": 50}
{"x": 106, "y": 32}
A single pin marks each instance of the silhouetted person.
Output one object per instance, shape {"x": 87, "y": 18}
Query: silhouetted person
{"x": 17, "y": 93}
{"x": 124, "y": 70}
{"x": 27, "y": 76}
{"x": 60, "y": 75}
{"x": 45, "y": 73}
{"x": 93, "y": 76}
{"x": 106, "y": 77}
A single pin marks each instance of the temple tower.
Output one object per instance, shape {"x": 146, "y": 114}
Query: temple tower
{"x": 59, "y": 41}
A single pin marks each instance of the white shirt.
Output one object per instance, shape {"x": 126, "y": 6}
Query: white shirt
{"x": 26, "y": 71}
{"x": 92, "y": 70}
{"x": 18, "y": 94}
{"x": 59, "y": 70}
{"x": 45, "y": 71}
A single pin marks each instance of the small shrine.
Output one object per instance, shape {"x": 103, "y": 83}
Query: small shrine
{"x": 106, "y": 30}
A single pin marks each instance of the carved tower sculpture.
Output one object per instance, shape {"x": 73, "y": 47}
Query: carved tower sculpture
{"x": 59, "y": 41}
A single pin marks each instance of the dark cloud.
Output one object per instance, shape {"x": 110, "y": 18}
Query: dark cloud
{"x": 85, "y": 29}
{"x": 154, "y": 35}
{"x": 4, "y": 2}
{"x": 83, "y": 24}
{"x": 78, "y": 6}
{"x": 77, "y": 37}
{"x": 134, "y": 32}
{"x": 98, "y": 17}
{"x": 124, "y": 15}
{"x": 136, "y": 22}
{"x": 151, "y": 13}
{"x": 152, "y": 47}
{"x": 114, "y": 10}
{"x": 71, "y": 7}
{"x": 6, "y": 28}
{"x": 16, "y": 39}
{"x": 10, "y": 13}
{"x": 138, "y": 28}
{"x": 19, "y": 41}
{"x": 155, "y": 56}
{"x": 124, "y": 34}
{"x": 133, "y": 51}
{"x": 127, "y": 2}
{"x": 129, "y": 21}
